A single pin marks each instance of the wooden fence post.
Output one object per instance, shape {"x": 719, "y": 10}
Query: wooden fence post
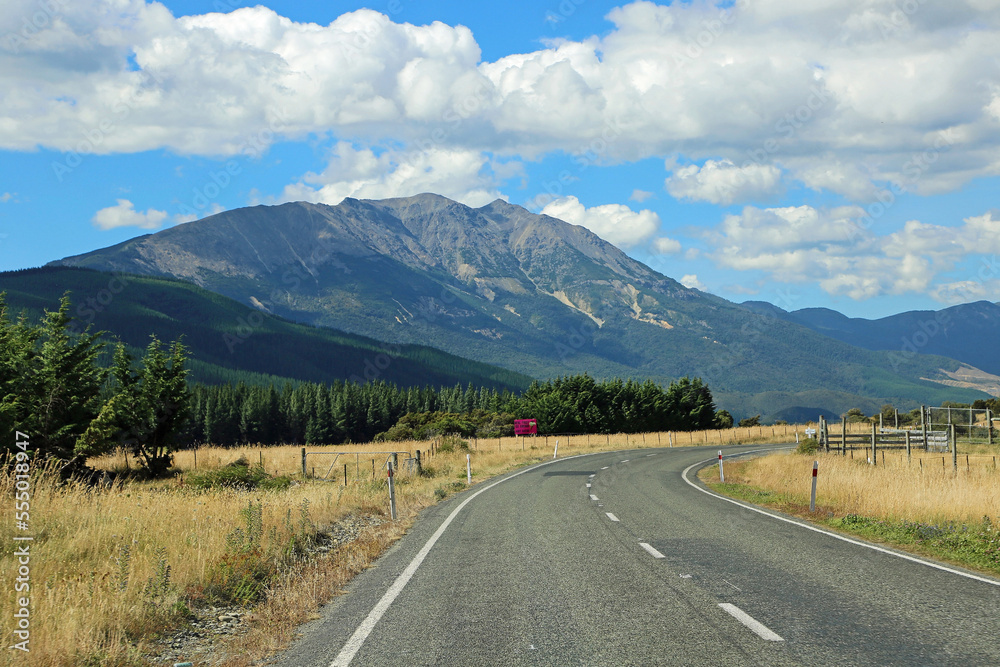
{"x": 923, "y": 428}
{"x": 954, "y": 447}
{"x": 843, "y": 436}
{"x": 303, "y": 461}
{"x": 907, "y": 434}
{"x": 874, "y": 445}
{"x": 989, "y": 426}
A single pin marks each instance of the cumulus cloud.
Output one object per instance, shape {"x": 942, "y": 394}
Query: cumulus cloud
{"x": 7, "y": 196}
{"x": 691, "y": 282}
{"x": 123, "y": 214}
{"x": 615, "y": 223}
{"x": 464, "y": 176}
{"x": 640, "y": 195}
{"x": 665, "y": 246}
{"x": 722, "y": 182}
{"x": 832, "y": 247}
{"x": 818, "y": 90}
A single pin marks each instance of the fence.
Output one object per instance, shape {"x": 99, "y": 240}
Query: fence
{"x": 971, "y": 424}
{"x": 410, "y": 463}
{"x": 881, "y": 439}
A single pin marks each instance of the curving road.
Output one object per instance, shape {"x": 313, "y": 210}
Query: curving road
{"x": 642, "y": 568}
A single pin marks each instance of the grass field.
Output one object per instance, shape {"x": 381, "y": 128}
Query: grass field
{"x": 111, "y": 568}
{"x": 922, "y": 504}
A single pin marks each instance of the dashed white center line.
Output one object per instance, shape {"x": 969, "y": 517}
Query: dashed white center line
{"x": 652, "y": 551}
{"x": 612, "y": 516}
{"x": 588, "y": 485}
{"x": 604, "y": 468}
{"x": 593, "y": 497}
{"x": 625, "y": 461}
{"x": 755, "y": 626}
{"x": 593, "y": 476}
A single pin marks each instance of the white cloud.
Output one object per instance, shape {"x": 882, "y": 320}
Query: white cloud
{"x": 831, "y": 247}
{"x": 691, "y": 281}
{"x": 666, "y": 246}
{"x": 818, "y": 90}
{"x": 362, "y": 173}
{"x": 722, "y": 182}
{"x": 123, "y": 214}
{"x": 965, "y": 291}
{"x": 640, "y": 195}
{"x": 7, "y": 196}
{"x": 615, "y": 223}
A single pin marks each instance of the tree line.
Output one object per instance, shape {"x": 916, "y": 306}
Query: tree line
{"x": 346, "y": 412}
{"x": 56, "y": 389}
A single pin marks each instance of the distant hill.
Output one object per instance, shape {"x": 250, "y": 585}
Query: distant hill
{"x": 230, "y": 341}
{"x": 968, "y": 332}
{"x": 527, "y": 292}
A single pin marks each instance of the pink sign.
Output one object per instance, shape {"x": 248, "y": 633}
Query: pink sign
{"x": 525, "y": 427}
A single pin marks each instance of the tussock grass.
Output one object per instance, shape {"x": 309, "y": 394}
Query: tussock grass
{"x": 919, "y": 505}
{"x": 111, "y": 568}
{"x": 892, "y": 489}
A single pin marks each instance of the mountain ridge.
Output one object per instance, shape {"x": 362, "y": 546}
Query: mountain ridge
{"x": 502, "y": 285}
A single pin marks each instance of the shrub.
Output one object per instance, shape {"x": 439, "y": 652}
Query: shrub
{"x": 450, "y": 443}
{"x": 808, "y": 446}
{"x": 238, "y": 475}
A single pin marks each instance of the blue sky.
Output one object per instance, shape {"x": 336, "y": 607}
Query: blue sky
{"x": 843, "y": 154}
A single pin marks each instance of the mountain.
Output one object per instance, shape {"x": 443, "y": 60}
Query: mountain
{"x": 527, "y": 292}
{"x": 968, "y": 332}
{"x": 230, "y": 341}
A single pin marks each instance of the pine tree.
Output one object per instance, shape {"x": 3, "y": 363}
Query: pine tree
{"x": 65, "y": 385}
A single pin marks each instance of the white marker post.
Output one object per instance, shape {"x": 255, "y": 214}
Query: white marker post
{"x": 392, "y": 492}
{"x": 468, "y": 468}
{"x": 722, "y": 474}
{"x": 812, "y": 498}
{"x": 556, "y": 453}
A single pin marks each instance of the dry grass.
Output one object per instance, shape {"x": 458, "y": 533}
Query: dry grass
{"x": 97, "y": 554}
{"x": 921, "y": 490}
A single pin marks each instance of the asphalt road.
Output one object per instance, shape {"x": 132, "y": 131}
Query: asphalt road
{"x": 539, "y": 569}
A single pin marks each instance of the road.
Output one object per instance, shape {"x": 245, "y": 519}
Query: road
{"x": 540, "y": 569}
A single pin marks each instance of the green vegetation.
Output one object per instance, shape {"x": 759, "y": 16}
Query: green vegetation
{"x": 230, "y": 342}
{"x": 807, "y": 446}
{"x": 239, "y": 475}
{"x": 974, "y": 544}
{"x": 54, "y": 389}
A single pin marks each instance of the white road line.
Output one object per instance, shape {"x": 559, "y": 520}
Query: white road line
{"x": 594, "y": 475}
{"x": 612, "y": 516}
{"x": 357, "y": 639}
{"x": 625, "y": 461}
{"x": 593, "y": 497}
{"x": 756, "y": 626}
{"x": 652, "y": 551}
{"x": 589, "y": 485}
{"x": 836, "y": 536}
{"x": 604, "y": 468}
